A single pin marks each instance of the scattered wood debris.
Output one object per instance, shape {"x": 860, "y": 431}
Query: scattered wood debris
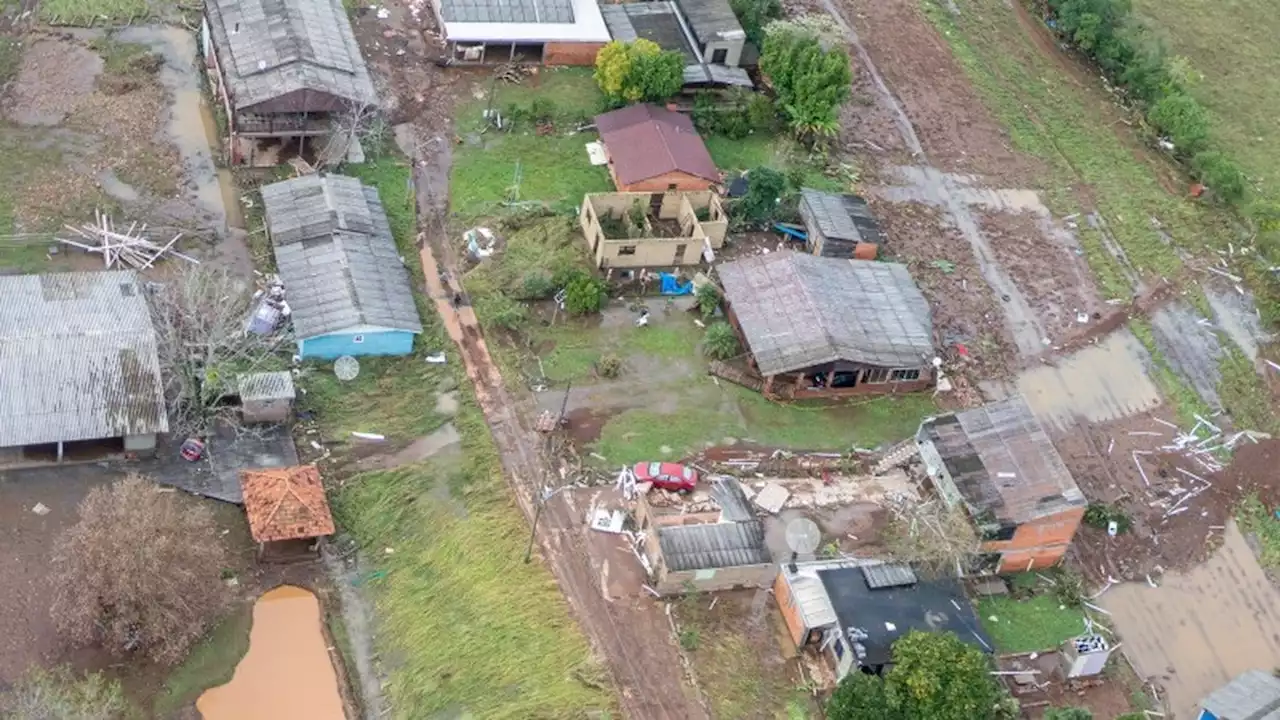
{"x": 122, "y": 248}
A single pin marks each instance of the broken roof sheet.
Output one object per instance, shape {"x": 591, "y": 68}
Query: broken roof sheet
{"x": 1003, "y": 462}
{"x": 654, "y": 21}
{"x": 1253, "y": 695}
{"x": 842, "y": 217}
{"x": 77, "y": 359}
{"x": 645, "y": 141}
{"x": 271, "y": 48}
{"x": 712, "y": 20}
{"x": 286, "y": 503}
{"x": 266, "y": 386}
{"x": 798, "y": 311}
{"x": 722, "y": 545}
{"x": 337, "y": 257}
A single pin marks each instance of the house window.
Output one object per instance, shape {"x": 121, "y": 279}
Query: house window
{"x": 999, "y": 533}
{"x": 671, "y": 187}
{"x": 913, "y": 374}
{"x": 627, "y": 250}
{"x": 357, "y": 339}
{"x": 876, "y": 375}
{"x": 719, "y": 56}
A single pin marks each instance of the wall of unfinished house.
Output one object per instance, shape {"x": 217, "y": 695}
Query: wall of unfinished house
{"x": 1037, "y": 544}
{"x": 643, "y": 252}
{"x": 674, "y": 180}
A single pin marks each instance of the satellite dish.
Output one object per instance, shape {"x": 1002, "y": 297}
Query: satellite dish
{"x": 803, "y": 536}
{"x": 346, "y": 368}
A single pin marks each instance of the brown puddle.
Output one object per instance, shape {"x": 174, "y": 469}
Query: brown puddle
{"x": 287, "y": 672}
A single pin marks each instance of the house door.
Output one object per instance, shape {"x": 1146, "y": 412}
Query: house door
{"x": 655, "y": 203}
{"x": 719, "y": 55}
{"x": 679, "y": 258}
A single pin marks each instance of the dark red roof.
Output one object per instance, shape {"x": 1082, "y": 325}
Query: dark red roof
{"x": 645, "y": 141}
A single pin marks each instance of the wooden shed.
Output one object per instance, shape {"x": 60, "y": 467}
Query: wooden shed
{"x": 839, "y": 226}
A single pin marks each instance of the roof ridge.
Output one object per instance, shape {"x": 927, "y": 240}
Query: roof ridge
{"x": 812, "y": 304}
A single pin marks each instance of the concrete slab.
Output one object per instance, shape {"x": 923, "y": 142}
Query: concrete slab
{"x": 217, "y": 474}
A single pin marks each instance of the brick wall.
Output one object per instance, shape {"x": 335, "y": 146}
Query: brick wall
{"x": 662, "y": 183}
{"x": 570, "y": 53}
{"x": 1038, "y": 544}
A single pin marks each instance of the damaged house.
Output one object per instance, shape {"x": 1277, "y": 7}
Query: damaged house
{"x": 283, "y": 70}
{"x": 999, "y": 463}
{"x": 645, "y": 230}
{"x": 818, "y": 327}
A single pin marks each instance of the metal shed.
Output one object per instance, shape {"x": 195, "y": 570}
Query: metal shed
{"x": 266, "y": 397}
{"x": 839, "y": 226}
{"x": 1253, "y": 695}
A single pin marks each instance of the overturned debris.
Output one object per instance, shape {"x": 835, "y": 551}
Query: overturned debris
{"x": 128, "y": 248}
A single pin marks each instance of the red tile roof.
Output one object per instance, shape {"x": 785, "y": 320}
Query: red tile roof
{"x": 645, "y": 141}
{"x": 286, "y": 503}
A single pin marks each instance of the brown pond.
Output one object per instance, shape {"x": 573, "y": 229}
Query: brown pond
{"x": 287, "y": 672}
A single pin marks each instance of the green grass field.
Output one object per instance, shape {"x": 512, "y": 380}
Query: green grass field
{"x": 210, "y": 663}
{"x": 1232, "y": 45}
{"x": 1033, "y": 625}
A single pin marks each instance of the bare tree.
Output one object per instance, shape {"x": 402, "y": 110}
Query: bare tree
{"x": 929, "y": 534}
{"x": 139, "y": 572}
{"x": 59, "y": 694}
{"x": 359, "y": 121}
{"x": 201, "y": 320}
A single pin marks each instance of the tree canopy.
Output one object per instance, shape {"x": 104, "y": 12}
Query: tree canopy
{"x": 810, "y": 76}
{"x": 638, "y": 71}
{"x": 60, "y": 694}
{"x": 934, "y": 675}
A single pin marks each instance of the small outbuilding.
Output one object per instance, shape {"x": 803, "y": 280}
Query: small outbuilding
{"x": 708, "y": 63}
{"x": 718, "y": 34}
{"x": 266, "y": 397}
{"x": 839, "y": 226}
{"x": 345, "y": 282}
{"x": 282, "y": 71}
{"x": 820, "y": 327}
{"x": 553, "y": 32}
{"x": 998, "y": 463}
{"x": 287, "y": 509}
{"x": 1253, "y": 695}
{"x": 850, "y": 612}
{"x": 652, "y": 149}
{"x": 79, "y": 369}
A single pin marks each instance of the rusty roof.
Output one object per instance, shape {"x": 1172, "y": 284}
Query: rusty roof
{"x": 286, "y": 503}
{"x": 1003, "y": 462}
{"x": 645, "y": 141}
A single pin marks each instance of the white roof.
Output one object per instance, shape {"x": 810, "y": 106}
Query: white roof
{"x": 587, "y": 27}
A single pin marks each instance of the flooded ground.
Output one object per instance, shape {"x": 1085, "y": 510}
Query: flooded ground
{"x": 287, "y": 672}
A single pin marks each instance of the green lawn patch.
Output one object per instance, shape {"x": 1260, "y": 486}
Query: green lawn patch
{"x": 210, "y": 663}
{"x": 774, "y": 151}
{"x": 90, "y": 13}
{"x": 1244, "y": 395}
{"x": 492, "y": 166}
{"x": 1260, "y": 521}
{"x": 465, "y": 626}
{"x": 1037, "y": 624}
{"x": 391, "y": 396}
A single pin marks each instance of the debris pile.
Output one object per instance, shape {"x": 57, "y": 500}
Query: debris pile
{"x": 122, "y": 248}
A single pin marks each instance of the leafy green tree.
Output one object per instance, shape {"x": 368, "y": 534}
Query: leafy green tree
{"x": 754, "y": 15}
{"x": 759, "y": 206}
{"x": 708, "y": 299}
{"x": 59, "y": 694}
{"x": 1183, "y": 119}
{"x": 638, "y": 71}
{"x": 861, "y": 697}
{"x": 585, "y": 295}
{"x": 811, "y": 81}
{"x": 720, "y": 342}
{"x": 1220, "y": 174}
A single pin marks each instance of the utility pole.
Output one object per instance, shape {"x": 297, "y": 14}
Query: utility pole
{"x": 541, "y": 500}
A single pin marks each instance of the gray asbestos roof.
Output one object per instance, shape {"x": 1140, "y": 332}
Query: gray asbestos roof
{"x": 270, "y": 48}
{"x": 659, "y": 21}
{"x": 798, "y": 311}
{"x": 842, "y": 217}
{"x": 722, "y": 545}
{"x": 1254, "y": 695}
{"x": 77, "y": 359}
{"x": 266, "y": 386}
{"x": 507, "y": 11}
{"x": 337, "y": 258}
{"x": 712, "y": 20}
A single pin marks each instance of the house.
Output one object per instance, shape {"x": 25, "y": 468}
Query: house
{"x": 711, "y": 63}
{"x": 851, "y": 611}
{"x": 1253, "y": 695}
{"x": 553, "y": 32}
{"x": 645, "y": 230}
{"x": 1000, "y": 464}
{"x": 820, "y": 327}
{"x": 286, "y": 507}
{"x": 652, "y": 149}
{"x": 706, "y": 553}
{"x": 79, "y": 370}
{"x": 282, "y": 70}
{"x": 839, "y": 226}
{"x": 347, "y": 287}
{"x": 266, "y": 397}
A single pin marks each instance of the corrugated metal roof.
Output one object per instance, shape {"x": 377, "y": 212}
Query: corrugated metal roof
{"x": 811, "y": 598}
{"x": 842, "y": 217}
{"x": 655, "y": 20}
{"x": 888, "y": 575}
{"x": 712, "y": 20}
{"x": 729, "y": 495}
{"x": 722, "y": 545}
{"x": 645, "y": 141}
{"x": 270, "y": 48}
{"x": 798, "y": 311}
{"x": 1253, "y": 695}
{"x": 77, "y": 359}
{"x": 507, "y": 11}
{"x": 266, "y": 386}
{"x": 1003, "y": 462}
{"x": 336, "y": 255}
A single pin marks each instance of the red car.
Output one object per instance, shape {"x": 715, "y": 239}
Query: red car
{"x": 667, "y": 475}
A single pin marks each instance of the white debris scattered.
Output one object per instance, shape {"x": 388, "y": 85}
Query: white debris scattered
{"x": 41, "y": 509}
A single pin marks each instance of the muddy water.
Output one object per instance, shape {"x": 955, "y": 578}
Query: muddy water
{"x": 1102, "y": 382}
{"x": 287, "y": 672}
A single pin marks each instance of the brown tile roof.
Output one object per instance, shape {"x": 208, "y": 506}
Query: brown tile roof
{"x": 645, "y": 141}
{"x": 285, "y": 503}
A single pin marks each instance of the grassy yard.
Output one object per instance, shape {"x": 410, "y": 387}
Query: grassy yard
{"x": 1233, "y": 47}
{"x": 778, "y": 152}
{"x": 209, "y": 664}
{"x": 1037, "y": 624}
{"x": 89, "y": 13}
{"x": 1260, "y": 521}
{"x": 552, "y": 168}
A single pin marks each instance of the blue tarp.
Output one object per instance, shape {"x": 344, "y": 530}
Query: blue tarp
{"x": 671, "y": 285}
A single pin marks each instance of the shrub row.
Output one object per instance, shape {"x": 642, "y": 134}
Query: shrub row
{"x": 1106, "y": 31}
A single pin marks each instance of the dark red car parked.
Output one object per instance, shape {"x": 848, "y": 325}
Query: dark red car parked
{"x": 667, "y": 475}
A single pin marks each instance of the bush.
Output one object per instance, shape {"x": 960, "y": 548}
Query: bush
{"x": 1070, "y": 713}
{"x": 1184, "y": 120}
{"x": 500, "y": 310}
{"x": 811, "y": 81}
{"x": 59, "y": 693}
{"x": 1100, "y": 515}
{"x": 536, "y": 285}
{"x": 762, "y": 201}
{"x": 754, "y": 15}
{"x": 609, "y": 366}
{"x": 1220, "y": 174}
{"x": 708, "y": 297}
{"x": 638, "y": 71}
{"x": 1068, "y": 586}
{"x": 585, "y": 295}
{"x": 721, "y": 343}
